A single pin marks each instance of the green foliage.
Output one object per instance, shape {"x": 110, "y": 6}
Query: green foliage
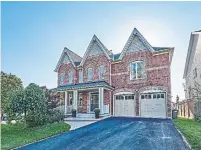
{"x": 55, "y": 116}
{"x": 97, "y": 110}
{"x": 31, "y": 104}
{"x": 9, "y": 84}
{"x": 191, "y": 130}
{"x": 15, "y": 135}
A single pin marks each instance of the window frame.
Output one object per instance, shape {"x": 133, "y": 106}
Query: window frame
{"x": 70, "y": 80}
{"x": 61, "y": 81}
{"x": 101, "y": 77}
{"x": 136, "y": 70}
{"x": 91, "y": 74}
{"x": 80, "y": 79}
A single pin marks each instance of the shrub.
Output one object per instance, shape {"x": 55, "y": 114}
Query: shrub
{"x": 55, "y": 116}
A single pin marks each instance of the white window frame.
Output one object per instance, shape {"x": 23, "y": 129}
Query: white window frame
{"x": 130, "y": 67}
{"x": 61, "y": 81}
{"x": 88, "y": 74}
{"x": 80, "y": 76}
{"x": 101, "y": 77}
{"x": 70, "y": 77}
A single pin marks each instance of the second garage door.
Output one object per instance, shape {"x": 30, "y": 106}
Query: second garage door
{"x": 153, "y": 105}
{"x": 125, "y": 105}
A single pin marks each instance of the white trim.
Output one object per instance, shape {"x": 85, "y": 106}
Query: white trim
{"x": 66, "y": 100}
{"x": 123, "y": 93}
{"x": 88, "y": 74}
{"x": 144, "y": 41}
{"x": 94, "y": 38}
{"x": 152, "y": 91}
{"x": 65, "y": 51}
{"x": 136, "y": 62}
{"x": 160, "y": 91}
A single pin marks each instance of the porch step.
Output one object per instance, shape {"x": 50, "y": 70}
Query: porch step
{"x": 85, "y": 117}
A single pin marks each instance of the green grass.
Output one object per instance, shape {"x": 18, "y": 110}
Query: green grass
{"x": 15, "y": 135}
{"x": 191, "y": 130}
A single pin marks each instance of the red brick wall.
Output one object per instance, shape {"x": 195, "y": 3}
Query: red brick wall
{"x": 106, "y": 97}
{"x": 95, "y": 63}
{"x": 66, "y": 68}
{"x": 157, "y": 75}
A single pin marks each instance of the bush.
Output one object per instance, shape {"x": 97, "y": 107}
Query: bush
{"x": 55, "y": 116}
{"x": 197, "y": 118}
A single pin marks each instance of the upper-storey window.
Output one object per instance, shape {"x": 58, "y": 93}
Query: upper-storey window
{"x": 137, "y": 70}
{"x": 80, "y": 76}
{"x": 89, "y": 74}
{"x": 101, "y": 72}
{"x": 62, "y": 78}
{"x": 70, "y": 75}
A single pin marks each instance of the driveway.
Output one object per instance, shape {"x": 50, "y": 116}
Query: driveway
{"x": 117, "y": 134}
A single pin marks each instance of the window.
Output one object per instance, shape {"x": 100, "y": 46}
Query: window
{"x": 195, "y": 73}
{"x": 80, "y": 76}
{"x": 70, "y": 75}
{"x": 101, "y": 72}
{"x": 80, "y": 99}
{"x": 62, "y": 78}
{"x": 137, "y": 70}
{"x": 89, "y": 74}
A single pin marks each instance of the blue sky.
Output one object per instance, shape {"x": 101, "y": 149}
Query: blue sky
{"x": 35, "y": 33}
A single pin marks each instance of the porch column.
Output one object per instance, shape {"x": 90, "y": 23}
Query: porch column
{"x": 101, "y": 100}
{"x": 75, "y": 99}
{"x": 66, "y": 99}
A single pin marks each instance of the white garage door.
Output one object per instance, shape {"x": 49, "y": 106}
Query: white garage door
{"x": 153, "y": 105}
{"x": 125, "y": 105}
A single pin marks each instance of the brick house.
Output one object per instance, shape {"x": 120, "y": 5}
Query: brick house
{"x": 135, "y": 82}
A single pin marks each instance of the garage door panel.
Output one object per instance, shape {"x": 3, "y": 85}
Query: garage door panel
{"x": 125, "y": 106}
{"x": 153, "y": 106}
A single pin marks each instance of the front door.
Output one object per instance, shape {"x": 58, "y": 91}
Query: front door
{"x": 94, "y": 101}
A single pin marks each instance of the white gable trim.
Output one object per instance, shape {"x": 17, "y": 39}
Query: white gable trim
{"x": 65, "y": 51}
{"x": 135, "y": 32}
{"x": 94, "y": 38}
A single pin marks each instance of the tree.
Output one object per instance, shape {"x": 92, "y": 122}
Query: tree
{"x": 31, "y": 104}
{"x": 9, "y": 84}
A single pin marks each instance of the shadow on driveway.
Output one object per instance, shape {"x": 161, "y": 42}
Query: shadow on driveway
{"x": 117, "y": 133}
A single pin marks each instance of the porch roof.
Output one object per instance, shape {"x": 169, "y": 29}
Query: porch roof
{"x": 87, "y": 85}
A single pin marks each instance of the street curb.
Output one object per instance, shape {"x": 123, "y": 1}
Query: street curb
{"x": 184, "y": 139}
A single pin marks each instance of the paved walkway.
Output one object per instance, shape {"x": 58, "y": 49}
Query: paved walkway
{"x": 78, "y": 124}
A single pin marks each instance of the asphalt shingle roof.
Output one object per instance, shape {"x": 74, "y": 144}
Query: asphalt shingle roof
{"x": 83, "y": 85}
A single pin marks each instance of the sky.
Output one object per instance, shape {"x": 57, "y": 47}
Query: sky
{"x": 34, "y": 34}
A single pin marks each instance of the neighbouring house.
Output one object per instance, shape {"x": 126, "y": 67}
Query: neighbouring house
{"x": 192, "y": 77}
{"x": 134, "y": 82}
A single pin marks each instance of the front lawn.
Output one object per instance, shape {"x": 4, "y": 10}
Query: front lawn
{"x": 14, "y": 135}
{"x": 191, "y": 130}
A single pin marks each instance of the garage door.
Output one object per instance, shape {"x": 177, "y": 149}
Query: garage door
{"x": 153, "y": 105}
{"x": 125, "y": 105}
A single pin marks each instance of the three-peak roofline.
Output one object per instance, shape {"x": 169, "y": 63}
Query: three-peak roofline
{"x": 78, "y": 61}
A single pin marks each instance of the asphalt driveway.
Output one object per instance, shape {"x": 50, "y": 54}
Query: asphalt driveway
{"x": 117, "y": 134}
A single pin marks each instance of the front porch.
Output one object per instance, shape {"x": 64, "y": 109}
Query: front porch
{"x": 85, "y": 97}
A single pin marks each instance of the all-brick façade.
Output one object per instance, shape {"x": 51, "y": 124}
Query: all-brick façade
{"x": 135, "y": 82}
